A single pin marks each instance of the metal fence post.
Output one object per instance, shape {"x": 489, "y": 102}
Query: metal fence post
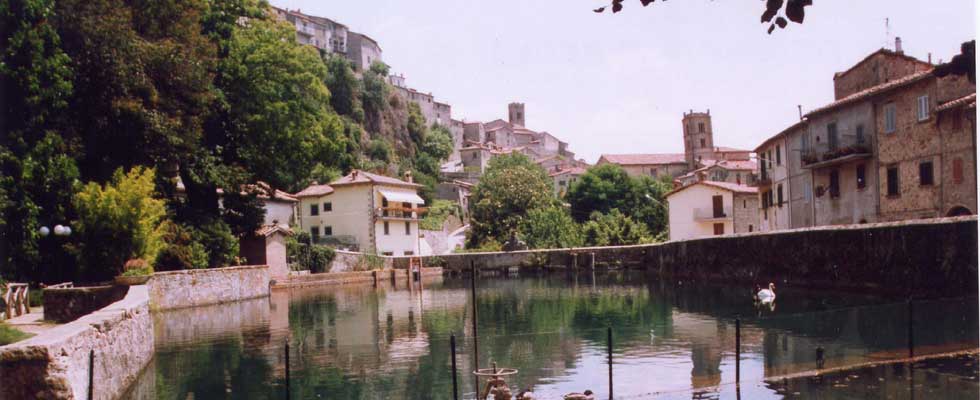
{"x": 911, "y": 327}
{"x": 609, "y": 340}
{"x": 287, "y": 369}
{"x": 738, "y": 350}
{"x": 476, "y": 344}
{"x": 452, "y": 349}
{"x": 91, "y": 374}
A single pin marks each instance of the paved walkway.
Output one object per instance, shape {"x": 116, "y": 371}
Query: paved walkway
{"x": 32, "y": 322}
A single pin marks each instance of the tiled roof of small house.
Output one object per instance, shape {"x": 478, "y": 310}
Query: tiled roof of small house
{"x": 571, "y": 171}
{"x": 962, "y": 101}
{"x": 266, "y": 230}
{"x": 731, "y": 187}
{"x": 358, "y": 177}
{"x": 314, "y": 190}
{"x": 645, "y": 159}
{"x": 724, "y": 149}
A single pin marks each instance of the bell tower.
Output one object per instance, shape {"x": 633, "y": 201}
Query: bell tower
{"x": 515, "y": 113}
{"x": 699, "y": 141}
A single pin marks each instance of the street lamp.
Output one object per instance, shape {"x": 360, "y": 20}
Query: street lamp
{"x": 59, "y": 230}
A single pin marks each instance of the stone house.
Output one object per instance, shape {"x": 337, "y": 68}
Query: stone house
{"x": 736, "y": 171}
{"x": 331, "y": 37}
{"x": 374, "y": 213}
{"x": 475, "y": 158}
{"x": 918, "y": 154}
{"x": 362, "y": 50}
{"x": 267, "y": 246}
{"x": 564, "y": 178}
{"x": 707, "y": 208}
{"x": 773, "y": 183}
{"x": 652, "y": 165}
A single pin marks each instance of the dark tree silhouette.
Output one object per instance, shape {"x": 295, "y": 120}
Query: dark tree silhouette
{"x": 794, "y": 10}
{"x": 964, "y": 63}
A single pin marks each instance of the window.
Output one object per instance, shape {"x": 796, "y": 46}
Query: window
{"x": 409, "y": 253}
{"x": 922, "y": 108}
{"x": 745, "y": 204}
{"x": 779, "y": 194}
{"x": 832, "y": 136}
{"x": 386, "y": 228}
{"x": 890, "y": 123}
{"x": 750, "y": 227}
{"x": 834, "y": 184}
{"x": 957, "y": 171}
{"x": 408, "y": 228}
{"x": 703, "y": 145}
{"x": 700, "y": 127}
{"x": 327, "y": 207}
{"x": 859, "y": 133}
{"x": 925, "y": 173}
{"x": 474, "y": 155}
{"x": 327, "y": 231}
{"x": 779, "y": 156}
{"x": 859, "y": 172}
{"x": 387, "y": 253}
{"x": 384, "y": 210}
{"x": 719, "y": 229}
{"x": 807, "y": 192}
{"x": 653, "y": 172}
{"x": 892, "y": 177}
{"x": 315, "y": 232}
{"x": 314, "y": 210}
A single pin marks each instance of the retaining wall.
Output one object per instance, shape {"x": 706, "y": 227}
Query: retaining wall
{"x": 68, "y": 304}
{"x": 349, "y": 261}
{"x": 55, "y": 363}
{"x": 399, "y": 277}
{"x": 936, "y": 257}
{"x": 198, "y": 287}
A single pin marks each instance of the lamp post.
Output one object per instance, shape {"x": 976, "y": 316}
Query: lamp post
{"x": 58, "y": 230}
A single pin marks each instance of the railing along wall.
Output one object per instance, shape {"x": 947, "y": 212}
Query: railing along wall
{"x": 16, "y": 300}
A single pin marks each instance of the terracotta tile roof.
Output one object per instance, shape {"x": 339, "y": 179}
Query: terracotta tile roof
{"x": 871, "y": 91}
{"x": 645, "y": 159}
{"x": 765, "y": 143}
{"x": 879, "y": 51}
{"x": 737, "y": 164}
{"x": 314, "y": 191}
{"x": 358, "y": 176}
{"x": 731, "y": 187}
{"x": 572, "y": 171}
{"x": 496, "y": 124}
{"x": 967, "y": 100}
{"x": 724, "y": 149}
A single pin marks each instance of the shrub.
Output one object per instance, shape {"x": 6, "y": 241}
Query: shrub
{"x": 614, "y": 229}
{"x": 118, "y": 222}
{"x": 314, "y": 258}
{"x": 181, "y": 251}
{"x": 550, "y": 228}
{"x": 219, "y": 243}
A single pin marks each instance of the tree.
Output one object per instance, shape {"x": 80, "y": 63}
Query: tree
{"x": 345, "y": 88}
{"x": 606, "y": 187}
{"x": 375, "y": 95}
{"x": 37, "y": 173}
{"x": 614, "y": 229}
{"x": 551, "y": 228}
{"x": 795, "y": 10}
{"x": 511, "y": 187}
{"x": 117, "y": 222}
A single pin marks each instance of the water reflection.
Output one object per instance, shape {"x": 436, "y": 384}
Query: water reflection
{"x": 389, "y": 342}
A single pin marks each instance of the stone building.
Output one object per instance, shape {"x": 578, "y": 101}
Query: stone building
{"x": 373, "y": 213}
{"x": 735, "y": 171}
{"x": 699, "y": 152}
{"x": 708, "y": 208}
{"x": 332, "y": 37}
{"x": 564, "y": 178}
{"x": 785, "y": 187}
{"x": 919, "y": 155}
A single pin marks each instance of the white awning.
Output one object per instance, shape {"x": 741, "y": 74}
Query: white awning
{"x": 402, "y": 197}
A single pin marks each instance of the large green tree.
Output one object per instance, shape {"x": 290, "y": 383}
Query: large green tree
{"x": 551, "y": 228}
{"x": 511, "y": 188}
{"x": 606, "y": 187}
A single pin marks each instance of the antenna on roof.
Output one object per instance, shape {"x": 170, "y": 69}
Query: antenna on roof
{"x": 799, "y": 107}
{"x": 888, "y": 34}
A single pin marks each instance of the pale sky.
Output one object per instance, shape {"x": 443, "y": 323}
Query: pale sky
{"x": 619, "y": 83}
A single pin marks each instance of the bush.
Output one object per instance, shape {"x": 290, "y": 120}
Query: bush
{"x": 437, "y": 214}
{"x": 614, "y": 229}
{"x": 314, "y": 258}
{"x": 118, "y": 222}
{"x": 181, "y": 251}
{"x": 220, "y": 245}
{"x": 550, "y": 228}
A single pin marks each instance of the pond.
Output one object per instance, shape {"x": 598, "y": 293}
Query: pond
{"x": 670, "y": 339}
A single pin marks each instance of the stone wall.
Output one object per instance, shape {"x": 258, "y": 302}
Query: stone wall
{"x": 397, "y": 277}
{"x": 348, "y": 261}
{"x": 935, "y": 257}
{"x": 68, "y": 304}
{"x": 55, "y": 364}
{"x": 198, "y": 287}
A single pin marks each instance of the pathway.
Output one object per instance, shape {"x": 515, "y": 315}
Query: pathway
{"x": 32, "y": 322}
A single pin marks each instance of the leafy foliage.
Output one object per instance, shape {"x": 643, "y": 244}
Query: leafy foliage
{"x": 795, "y": 10}
{"x": 512, "y": 187}
{"x": 551, "y": 228}
{"x": 118, "y": 222}
{"x": 614, "y": 229}
{"x": 180, "y": 250}
{"x": 314, "y": 258}
{"x": 606, "y": 187}
{"x": 438, "y": 212}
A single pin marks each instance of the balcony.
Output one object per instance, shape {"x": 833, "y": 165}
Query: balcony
{"x": 399, "y": 213}
{"x": 711, "y": 214}
{"x": 826, "y": 155}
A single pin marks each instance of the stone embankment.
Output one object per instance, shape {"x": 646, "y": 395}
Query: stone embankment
{"x": 199, "y": 287}
{"x": 56, "y": 364}
{"x": 936, "y": 257}
{"x": 397, "y": 277}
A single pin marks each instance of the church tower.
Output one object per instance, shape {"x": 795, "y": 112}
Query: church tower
{"x": 515, "y": 112}
{"x": 699, "y": 142}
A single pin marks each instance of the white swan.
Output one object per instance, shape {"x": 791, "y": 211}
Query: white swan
{"x": 767, "y": 295}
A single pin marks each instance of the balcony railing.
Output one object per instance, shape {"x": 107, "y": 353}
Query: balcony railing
{"x": 711, "y": 214}
{"x": 399, "y": 212}
{"x": 827, "y": 154}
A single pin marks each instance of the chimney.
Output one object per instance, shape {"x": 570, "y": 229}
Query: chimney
{"x": 408, "y": 176}
{"x": 353, "y": 175}
{"x": 930, "y": 58}
{"x": 898, "y": 45}
{"x": 799, "y": 107}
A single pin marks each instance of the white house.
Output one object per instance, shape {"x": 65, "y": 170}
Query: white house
{"x": 370, "y": 212}
{"x": 708, "y": 208}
